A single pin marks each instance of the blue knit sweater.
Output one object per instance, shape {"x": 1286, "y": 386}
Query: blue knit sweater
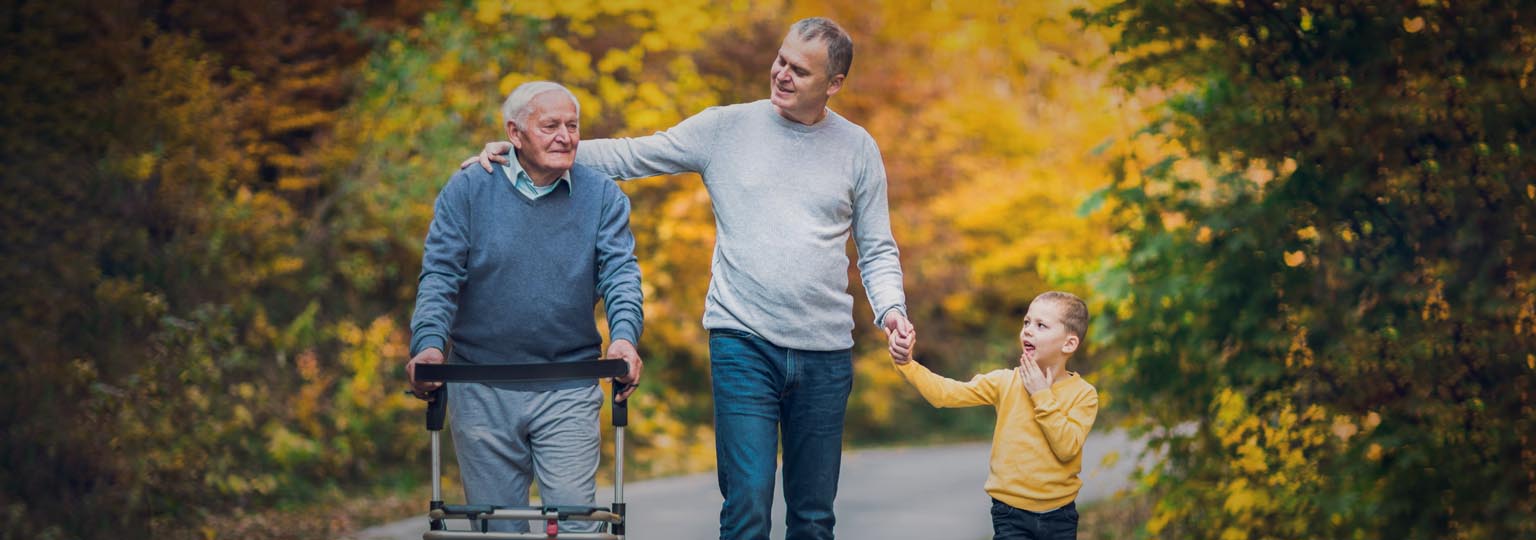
{"x": 514, "y": 281}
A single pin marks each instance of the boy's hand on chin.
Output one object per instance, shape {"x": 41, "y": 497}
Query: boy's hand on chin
{"x": 1035, "y": 378}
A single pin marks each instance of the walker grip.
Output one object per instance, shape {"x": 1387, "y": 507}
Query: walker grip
{"x": 620, "y": 408}
{"x": 437, "y": 408}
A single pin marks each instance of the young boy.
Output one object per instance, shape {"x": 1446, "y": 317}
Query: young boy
{"x": 1044, "y": 413}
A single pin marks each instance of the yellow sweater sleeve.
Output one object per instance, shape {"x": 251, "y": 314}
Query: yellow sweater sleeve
{"x": 1065, "y": 425}
{"x": 941, "y": 391}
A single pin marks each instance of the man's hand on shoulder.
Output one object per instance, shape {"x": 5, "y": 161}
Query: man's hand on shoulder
{"x": 623, "y": 349}
{"x": 496, "y": 151}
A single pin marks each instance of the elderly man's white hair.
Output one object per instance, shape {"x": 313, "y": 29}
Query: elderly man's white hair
{"x": 516, "y": 108}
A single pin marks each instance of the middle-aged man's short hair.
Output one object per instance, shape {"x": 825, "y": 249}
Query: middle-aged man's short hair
{"x": 1074, "y": 312}
{"x": 519, "y": 103}
{"x": 839, "y": 45}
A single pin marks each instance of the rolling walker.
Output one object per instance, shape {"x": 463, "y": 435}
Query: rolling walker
{"x": 478, "y": 516}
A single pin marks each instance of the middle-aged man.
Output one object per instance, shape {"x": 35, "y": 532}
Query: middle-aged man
{"x": 790, "y": 180}
{"x": 514, "y": 263}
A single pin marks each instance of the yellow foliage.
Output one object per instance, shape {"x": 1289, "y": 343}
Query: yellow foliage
{"x": 1300, "y": 354}
{"x": 1343, "y": 428}
{"x": 1435, "y": 306}
{"x": 490, "y": 12}
{"x": 879, "y": 385}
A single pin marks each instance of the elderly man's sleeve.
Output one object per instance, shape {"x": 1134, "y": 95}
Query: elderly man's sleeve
{"x": 618, "y": 271}
{"x": 444, "y": 268}
{"x": 879, "y": 259}
{"x": 685, "y": 147}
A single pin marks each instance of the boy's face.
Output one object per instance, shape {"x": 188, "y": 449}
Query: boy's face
{"x": 1044, "y": 337}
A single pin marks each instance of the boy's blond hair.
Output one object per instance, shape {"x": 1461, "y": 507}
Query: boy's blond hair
{"x": 1074, "y": 312}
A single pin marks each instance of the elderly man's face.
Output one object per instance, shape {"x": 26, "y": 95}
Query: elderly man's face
{"x": 800, "y": 82}
{"x": 547, "y": 143}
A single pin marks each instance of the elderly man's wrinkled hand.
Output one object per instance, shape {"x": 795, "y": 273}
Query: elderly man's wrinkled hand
{"x": 422, "y": 390}
{"x": 623, "y": 349}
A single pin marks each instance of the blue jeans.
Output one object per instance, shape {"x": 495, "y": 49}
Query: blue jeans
{"x": 1009, "y": 523}
{"x": 762, "y": 391}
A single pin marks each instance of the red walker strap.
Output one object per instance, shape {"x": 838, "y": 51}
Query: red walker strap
{"x": 552, "y": 528}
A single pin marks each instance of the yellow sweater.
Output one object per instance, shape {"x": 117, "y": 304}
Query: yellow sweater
{"x": 1037, "y": 446}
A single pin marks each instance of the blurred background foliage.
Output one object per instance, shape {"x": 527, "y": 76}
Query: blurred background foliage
{"x": 1304, "y": 229}
{"x": 1326, "y": 313}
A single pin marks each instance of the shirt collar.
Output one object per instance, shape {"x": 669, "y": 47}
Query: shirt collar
{"x": 513, "y": 170}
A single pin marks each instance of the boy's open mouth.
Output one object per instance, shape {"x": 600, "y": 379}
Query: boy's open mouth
{"x": 1029, "y": 346}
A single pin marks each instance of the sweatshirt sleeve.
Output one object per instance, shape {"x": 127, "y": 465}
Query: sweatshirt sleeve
{"x": 618, "y": 271}
{"x": 444, "y": 267}
{"x": 942, "y": 391}
{"x": 685, "y": 147}
{"x": 1066, "y": 425}
{"x": 879, "y": 259}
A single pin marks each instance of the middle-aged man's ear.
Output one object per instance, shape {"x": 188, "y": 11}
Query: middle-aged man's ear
{"x": 835, "y": 84}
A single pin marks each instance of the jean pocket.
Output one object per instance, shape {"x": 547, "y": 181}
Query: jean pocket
{"x": 1069, "y": 514}
{"x": 730, "y": 333}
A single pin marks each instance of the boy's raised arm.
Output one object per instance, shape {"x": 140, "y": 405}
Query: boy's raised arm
{"x": 942, "y": 391}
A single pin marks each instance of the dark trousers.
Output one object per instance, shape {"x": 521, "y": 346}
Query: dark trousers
{"x": 1009, "y": 523}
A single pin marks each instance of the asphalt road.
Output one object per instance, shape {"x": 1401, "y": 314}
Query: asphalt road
{"x": 893, "y": 493}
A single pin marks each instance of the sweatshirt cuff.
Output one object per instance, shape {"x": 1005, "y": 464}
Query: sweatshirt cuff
{"x": 428, "y": 341}
{"x": 1045, "y": 401}
{"x": 625, "y": 330}
{"x": 880, "y": 321}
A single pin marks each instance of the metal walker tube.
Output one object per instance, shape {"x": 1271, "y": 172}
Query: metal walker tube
{"x": 437, "y": 466}
{"x": 618, "y": 466}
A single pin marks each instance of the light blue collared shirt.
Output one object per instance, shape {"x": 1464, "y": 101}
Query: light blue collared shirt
{"x": 524, "y": 183}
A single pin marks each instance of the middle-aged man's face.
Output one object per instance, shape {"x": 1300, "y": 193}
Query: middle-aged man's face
{"x": 801, "y": 83}
{"x": 547, "y": 142}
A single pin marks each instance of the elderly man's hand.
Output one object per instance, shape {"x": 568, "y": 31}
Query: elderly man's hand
{"x": 625, "y": 350}
{"x": 430, "y": 355}
{"x": 494, "y": 151}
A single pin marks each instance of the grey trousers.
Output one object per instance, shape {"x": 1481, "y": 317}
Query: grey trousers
{"x": 506, "y": 438}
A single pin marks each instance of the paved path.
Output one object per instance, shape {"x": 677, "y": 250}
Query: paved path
{"x": 894, "y": 493}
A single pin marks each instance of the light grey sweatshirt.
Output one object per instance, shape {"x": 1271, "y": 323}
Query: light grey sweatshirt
{"x": 786, "y": 197}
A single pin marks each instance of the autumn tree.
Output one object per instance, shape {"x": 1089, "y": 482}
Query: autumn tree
{"x": 163, "y": 292}
{"x": 1331, "y": 289}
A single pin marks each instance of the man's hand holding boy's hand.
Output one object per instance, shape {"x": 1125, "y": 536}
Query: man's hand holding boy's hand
{"x": 1035, "y": 379}
{"x": 901, "y": 335}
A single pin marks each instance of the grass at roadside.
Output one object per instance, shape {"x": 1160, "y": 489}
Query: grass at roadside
{"x": 331, "y": 515}
{"x": 1117, "y": 518}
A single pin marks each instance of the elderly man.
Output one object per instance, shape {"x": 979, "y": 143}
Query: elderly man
{"x": 514, "y": 263}
{"x": 790, "y": 180}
